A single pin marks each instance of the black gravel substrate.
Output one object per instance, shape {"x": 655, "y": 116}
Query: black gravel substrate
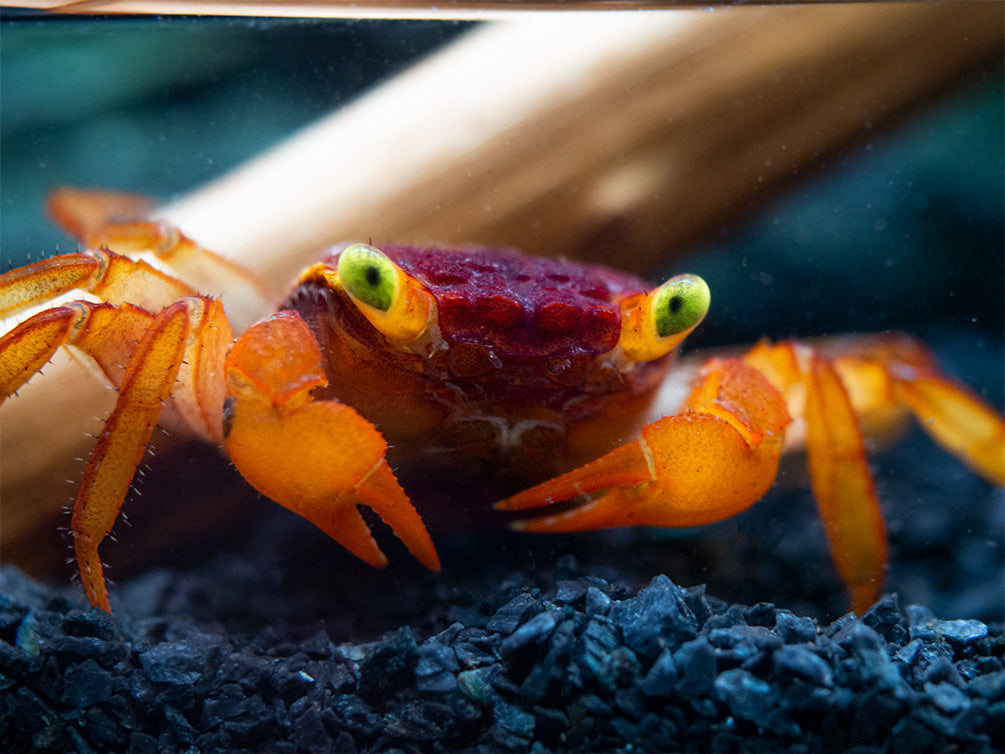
{"x": 585, "y": 663}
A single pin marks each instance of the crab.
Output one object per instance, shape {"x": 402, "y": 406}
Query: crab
{"x": 485, "y": 362}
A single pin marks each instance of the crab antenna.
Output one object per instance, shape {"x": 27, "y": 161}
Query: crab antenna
{"x": 395, "y": 303}
{"x": 655, "y": 323}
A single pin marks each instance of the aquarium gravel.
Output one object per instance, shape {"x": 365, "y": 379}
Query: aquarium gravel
{"x": 587, "y": 665}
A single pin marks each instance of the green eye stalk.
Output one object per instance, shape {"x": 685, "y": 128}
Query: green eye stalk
{"x": 368, "y": 276}
{"x": 394, "y": 302}
{"x": 653, "y": 324}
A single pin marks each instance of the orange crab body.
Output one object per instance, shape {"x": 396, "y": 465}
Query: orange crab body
{"x": 516, "y": 380}
{"x": 477, "y": 361}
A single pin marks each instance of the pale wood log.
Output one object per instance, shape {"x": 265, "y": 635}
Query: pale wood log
{"x": 618, "y": 136}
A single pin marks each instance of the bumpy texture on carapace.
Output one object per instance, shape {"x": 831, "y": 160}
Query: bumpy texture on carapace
{"x": 519, "y": 305}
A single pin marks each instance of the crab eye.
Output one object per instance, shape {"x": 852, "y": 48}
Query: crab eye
{"x": 653, "y": 324}
{"x": 368, "y": 276}
{"x": 679, "y": 304}
{"x": 393, "y": 301}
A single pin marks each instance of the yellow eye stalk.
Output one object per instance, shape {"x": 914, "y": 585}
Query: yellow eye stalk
{"x": 653, "y": 324}
{"x": 393, "y": 301}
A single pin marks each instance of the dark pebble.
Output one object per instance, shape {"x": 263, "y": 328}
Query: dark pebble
{"x": 571, "y": 591}
{"x": 886, "y": 619}
{"x": 990, "y": 687}
{"x": 946, "y": 697}
{"x": 513, "y": 720}
{"x": 512, "y": 614}
{"x": 477, "y": 686}
{"x": 746, "y": 695}
{"x": 793, "y": 629}
{"x": 870, "y": 663}
{"x": 597, "y": 602}
{"x": 532, "y": 632}
{"x": 86, "y": 684}
{"x": 177, "y": 664}
{"x": 474, "y": 648}
{"x": 802, "y": 663}
{"x": 941, "y": 670}
{"x": 436, "y": 668}
{"x": 657, "y": 616}
{"x": 309, "y": 732}
{"x": 389, "y": 666}
{"x": 960, "y": 631}
{"x": 662, "y": 676}
{"x": 94, "y": 623}
{"x": 141, "y": 743}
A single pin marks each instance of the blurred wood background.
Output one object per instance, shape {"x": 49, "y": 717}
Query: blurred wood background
{"x": 616, "y": 138}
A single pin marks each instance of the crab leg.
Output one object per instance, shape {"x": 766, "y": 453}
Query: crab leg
{"x": 107, "y": 333}
{"x": 320, "y": 459}
{"x": 885, "y": 374}
{"x": 707, "y": 464}
{"x": 111, "y": 277}
{"x": 118, "y": 221}
{"x": 959, "y": 421}
{"x": 843, "y": 486}
{"x": 157, "y": 349}
{"x": 123, "y": 440}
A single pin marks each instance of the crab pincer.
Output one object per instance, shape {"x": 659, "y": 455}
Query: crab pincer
{"x": 704, "y": 465}
{"x": 320, "y": 459}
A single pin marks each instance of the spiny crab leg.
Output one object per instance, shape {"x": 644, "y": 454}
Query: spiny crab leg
{"x": 121, "y": 222}
{"x": 143, "y": 354}
{"x": 320, "y": 459}
{"x": 123, "y": 441}
{"x": 106, "y": 332}
{"x": 110, "y": 276}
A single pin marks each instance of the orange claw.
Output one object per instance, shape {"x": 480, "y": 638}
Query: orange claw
{"x": 320, "y": 459}
{"x": 705, "y": 465}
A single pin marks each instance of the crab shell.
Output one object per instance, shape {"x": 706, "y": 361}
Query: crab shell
{"x": 519, "y": 379}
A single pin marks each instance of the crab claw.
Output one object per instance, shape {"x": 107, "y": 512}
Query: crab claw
{"x": 704, "y": 465}
{"x": 320, "y": 459}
